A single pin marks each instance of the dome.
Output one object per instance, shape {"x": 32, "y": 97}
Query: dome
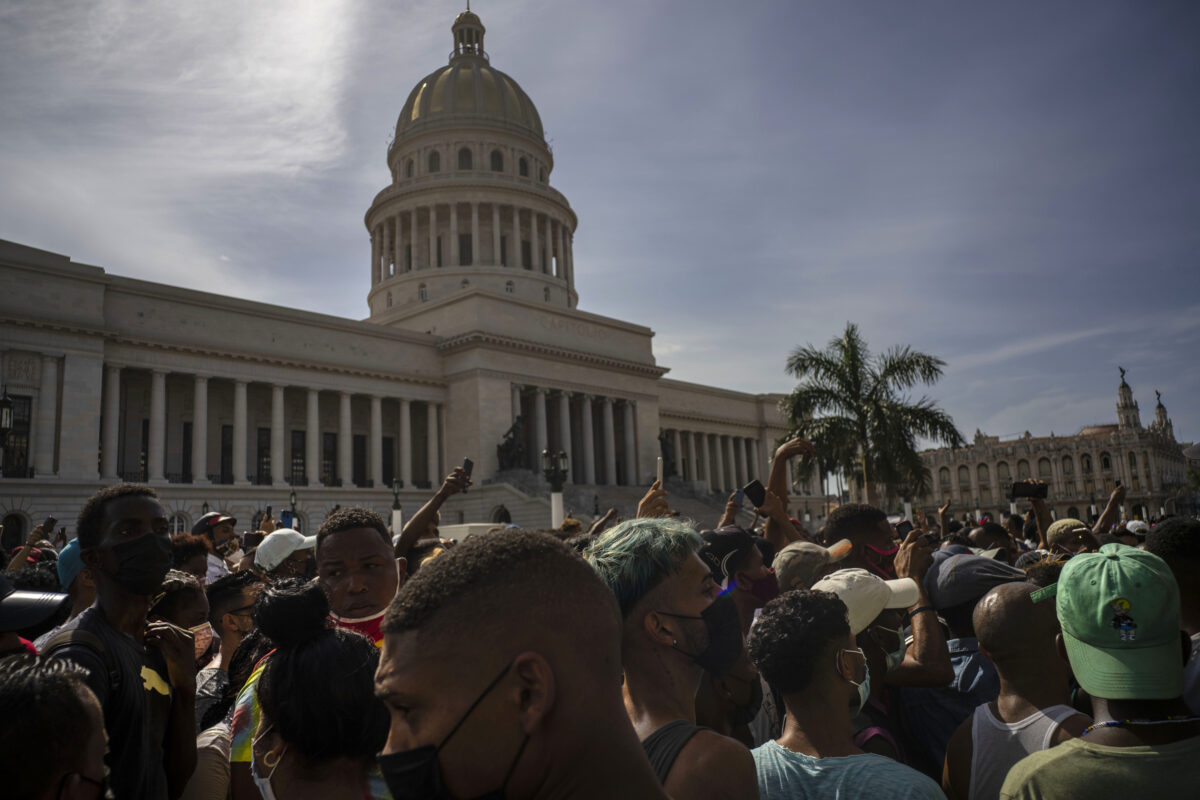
{"x": 469, "y": 91}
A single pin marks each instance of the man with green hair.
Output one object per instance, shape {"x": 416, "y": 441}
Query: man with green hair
{"x": 1119, "y": 610}
{"x": 675, "y": 626}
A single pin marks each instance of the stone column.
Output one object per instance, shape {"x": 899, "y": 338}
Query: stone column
{"x": 312, "y": 439}
{"x": 677, "y": 450}
{"x": 239, "y": 434}
{"x": 455, "y": 256}
{"x": 432, "y": 236}
{"x": 760, "y": 467}
{"x": 345, "y": 466}
{"x": 693, "y": 472}
{"x": 158, "y": 425}
{"x": 564, "y": 428}
{"x": 610, "y": 442}
{"x": 412, "y": 237}
{"x": 375, "y": 444}
{"x": 47, "y": 417}
{"x": 540, "y": 433}
{"x": 514, "y": 241}
{"x": 279, "y": 466}
{"x": 496, "y": 258}
{"x": 589, "y": 439}
{"x": 535, "y": 255}
{"x": 700, "y": 446}
{"x": 111, "y": 426}
{"x": 547, "y": 266}
{"x": 476, "y": 254}
{"x": 431, "y": 445}
{"x": 199, "y": 463}
{"x": 570, "y": 257}
{"x": 516, "y": 401}
{"x": 398, "y": 239}
{"x": 562, "y": 250}
{"x": 406, "y": 458}
{"x": 375, "y": 255}
{"x": 739, "y": 455}
{"x": 631, "y": 476}
{"x": 731, "y": 471}
{"x": 718, "y": 463}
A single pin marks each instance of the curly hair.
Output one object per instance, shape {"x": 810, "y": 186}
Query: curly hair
{"x": 186, "y": 546}
{"x": 349, "y": 518}
{"x": 793, "y": 632}
{"x": 91, "y": 516}
{"x": 1175, "y": 539}
{"x": 174, "y": 590}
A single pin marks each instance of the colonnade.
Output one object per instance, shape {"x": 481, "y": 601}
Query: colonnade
{"x": 723, "y": 461}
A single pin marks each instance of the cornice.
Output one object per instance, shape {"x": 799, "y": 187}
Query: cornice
{"x": 426, "y": 186}
{"x": 710, "y": 420}
{"x": 60, "y": 325}
{"x": 477, "y": 338}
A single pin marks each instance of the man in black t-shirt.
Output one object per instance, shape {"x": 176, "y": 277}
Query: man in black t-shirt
{"x": 143, "y": 674}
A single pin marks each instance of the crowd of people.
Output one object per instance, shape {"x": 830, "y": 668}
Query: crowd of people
{"x": 647, "y": 658}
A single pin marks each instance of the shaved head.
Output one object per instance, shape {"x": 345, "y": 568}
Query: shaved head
{"x": 1011, "y": 627}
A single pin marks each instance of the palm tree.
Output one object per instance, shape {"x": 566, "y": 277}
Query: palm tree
{"x": 853, "y": 407}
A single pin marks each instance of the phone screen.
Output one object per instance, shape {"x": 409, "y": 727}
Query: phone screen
{"x": 756, "y": 493}
{"x": 660, "y": 470}
{"x": 467, "y": 466}
{"x": 904, "y": 528}
{"x": 739, "y": 496}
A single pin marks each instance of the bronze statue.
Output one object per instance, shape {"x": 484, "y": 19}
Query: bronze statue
{"x": 511, "y": 451}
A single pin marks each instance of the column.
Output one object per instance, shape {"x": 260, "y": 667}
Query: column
{"x": 535, "y": 254}
{"x": 111, "y": 424}
{"x": 549, "y": 249}
{"x": 718, "y": 483}
{"x": 375, "y": 255}
{"x": 375, "y": 444}
{"x": 279, "y": 466}
{"x": 432, "y": 237}
{"x": 239, "y": 434}
{"x": 610, "y": 442}
{"x": 312, "y": 439}
{"x": 496, "y": 259}
{"x": 676, "y": 449}
{"x": 693, "y": 473}
{"x": 540, "y": 433}
{"x": 739, "y": 456}
{"x": 345, "y": 447}
{"x": 564, "y": 427}
{"x": 47, "y": 417}
{"x": 516, "y": 401}
{"x": 514, "y": 241}
{"x": 570, "y": 257}
{"x": 760, "y": 468}
{"x": 562, "y": 267}
{"x": 158, "y": 424}
{"x": 476, "y": 250}
{"x": 631, "y": 476}
{"x": 406, "y": 465}
{"x": 412, "y": 236}
{"x": 589, "y": 439}
{"x": 385, "y": 234}
{"x": 431, "y": 445}
{"x": 731, "y": 473}
{"x": 199, "y": 463}
{"x": 455, "y": 256}
{"x": 398, "y": 239}
{"x": 703, "y": 465}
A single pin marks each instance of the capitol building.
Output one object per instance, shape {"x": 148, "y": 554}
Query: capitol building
{"x": 473, "y": 341}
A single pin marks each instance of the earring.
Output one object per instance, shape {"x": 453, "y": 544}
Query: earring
{"x": 267, "y": 759}
{"x": 674, "y": 643}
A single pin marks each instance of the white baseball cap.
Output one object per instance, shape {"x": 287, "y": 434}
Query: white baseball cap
{"x": 279, "y": 544}
{"x": 865, "y": 595}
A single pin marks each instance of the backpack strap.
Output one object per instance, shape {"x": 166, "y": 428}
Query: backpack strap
{"x": 85, "y": 639}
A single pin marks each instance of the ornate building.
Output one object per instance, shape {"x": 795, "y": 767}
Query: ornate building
{"x": 233, "y": 404}
{"x": 1081, "y": 470}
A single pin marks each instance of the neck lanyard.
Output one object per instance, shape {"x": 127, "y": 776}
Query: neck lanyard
{"x": 1122, "y": 723}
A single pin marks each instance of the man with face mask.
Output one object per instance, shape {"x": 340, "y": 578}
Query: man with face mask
{"x": 870, "y": 533}
{"x": 501, "y": 670}
{"x": 230, "y": 602}
{"x": 218, "y": 529}
{"x": 143, "y": 674}
{"x": 675, "y": 628}
{"x": 803, "y": 645}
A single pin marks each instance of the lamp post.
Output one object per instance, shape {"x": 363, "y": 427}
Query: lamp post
{"x": 807, "y": 514}
{"x": 397, "y": 513}
{"x": 292, "y": 503}
{"x": 204, "y": 508}
{"x": 554, "y": 467}
{"x": 6, "y": 423}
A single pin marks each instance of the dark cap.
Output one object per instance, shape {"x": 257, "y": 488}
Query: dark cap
{"x": 725, "y": 547}
{"x": 212, "y": 519}
{"x": 20, "y": 609}
{"x": 964, "y": 577}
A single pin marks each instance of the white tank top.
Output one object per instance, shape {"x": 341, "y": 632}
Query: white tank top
{"x": 997, "y": 745}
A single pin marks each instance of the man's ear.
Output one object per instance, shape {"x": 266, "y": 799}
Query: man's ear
{"x": 90, "y": 557}
{"x": 536, "y": 687}
{"x": 653, "y": 623}
{"x": 1061, "y": 646}
{"x": 402, "y": 569}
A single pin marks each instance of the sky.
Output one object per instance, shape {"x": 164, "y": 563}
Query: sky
{"x": 1013, "y": 187}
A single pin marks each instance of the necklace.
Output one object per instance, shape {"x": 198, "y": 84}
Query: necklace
{"x": 1121, "y": 723}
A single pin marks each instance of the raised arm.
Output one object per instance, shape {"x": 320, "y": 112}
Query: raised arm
{"x": 1111, "y": 512}
{"x": 927, "y": 662}
{"x": 21, "y": 558}
{"x": 418, "y": 525}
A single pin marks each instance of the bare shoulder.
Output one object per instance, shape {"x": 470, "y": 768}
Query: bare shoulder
{"x": 712, "y": 766}
{"x": 956, "y": 771}
{"x": 1071, "y": 728}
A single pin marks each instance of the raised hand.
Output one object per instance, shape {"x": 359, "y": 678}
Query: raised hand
{"x": 914, "y": 557}
{"x": 177, "y": 647}
{"x": 654, "y": 503}
{"x": 796, "y": 447}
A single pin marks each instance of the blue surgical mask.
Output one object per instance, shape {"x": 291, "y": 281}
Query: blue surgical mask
{"x": 863, "y": 686}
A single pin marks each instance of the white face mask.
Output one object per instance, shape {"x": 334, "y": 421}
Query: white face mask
{"x": 263, "y": 782}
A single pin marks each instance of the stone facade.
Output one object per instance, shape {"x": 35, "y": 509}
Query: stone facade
{"x": 473, "y": 323}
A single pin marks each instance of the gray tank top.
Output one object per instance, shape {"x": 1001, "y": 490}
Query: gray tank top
{"x": 998, "y": 745}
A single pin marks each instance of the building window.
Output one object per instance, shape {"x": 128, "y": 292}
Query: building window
{"x": 1002, "y": 473}
{"x": 546, "y": 294}
{"x": 408, "y": 169}
{"x": 408, "y": 258}
{"x": 508, "y": 287}
{"x": 185, "y": 454}
{"x": 466, "y": 254}
{"x": 503, "y": 250}
{"x": 1068, "y": 466}
{"x": 964, "y": 478}
{"x": 944, "y": 477}
{"x": 439, "y": 251}
{"x": 526, "y": 255}
{"x": 226, "y": 475}
{"x": 14, "y": 528}
{"x": 464, "y": 158}
{"x": 16, "y": 449}
{"x": 422, "y": 293}
{"x": 981, "y": 472}
{"x": 1044, "y": 469}
{"x": 179, "y": 523}
{"x": 329, "y": 459}
{"x": 264, "y": 457}
{"x": 1023, "y": 470}
{"x": 1086, "y": 462}
{"x": 497, "y": 161}
{"x": 435, "y": 162}
{"x": 1105, "y": 462}
{"x": 523, "y": 168}
{"x": 299, "y": 446}
{"x": 389, "y": 461}
{"x": 542, "y": 175}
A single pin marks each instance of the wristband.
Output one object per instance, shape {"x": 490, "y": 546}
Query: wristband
{"x": 908, "y": 617}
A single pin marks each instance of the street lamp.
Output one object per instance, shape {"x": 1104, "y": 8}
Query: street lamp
{"x": 554, "y": 467}
{"x": 807, "y": 515}
{"x": 397, "y": 514}
{"x": 204, "y": 508}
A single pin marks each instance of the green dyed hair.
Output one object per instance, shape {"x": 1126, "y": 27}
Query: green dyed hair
{"x": 639, "y": 554}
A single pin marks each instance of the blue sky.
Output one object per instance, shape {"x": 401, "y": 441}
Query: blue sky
{"x": 1014, "y": 187}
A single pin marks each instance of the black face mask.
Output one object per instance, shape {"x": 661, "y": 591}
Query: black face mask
{"x": 724, "y": 636}
{"x": 415, "y": 774}
{"x": 142, "y": 563}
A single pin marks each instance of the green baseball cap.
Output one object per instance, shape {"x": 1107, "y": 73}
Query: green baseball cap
{"x": 1119, "y": 610}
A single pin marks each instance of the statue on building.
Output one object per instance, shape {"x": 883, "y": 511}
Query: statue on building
{"x": 1122, "y": 371}
{"x": 668, "y": 454}
{"x": 511, "y": 451}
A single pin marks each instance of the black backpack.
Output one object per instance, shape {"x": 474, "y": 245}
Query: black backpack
{"x": 89, "y": 640}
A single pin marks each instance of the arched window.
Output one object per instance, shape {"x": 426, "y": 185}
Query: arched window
{"x": 408, "y": 169}
{"x": 1086, "y": 462}
{"x": 435, "y": 161}
{"x": 179, "y": 523}
{"x": 964, "y": 477}
{"x": 422, "y": 293}
{"x": 1002, "y": 473}
{"x": 1068, "y": 465}
{"x": 389, "y": 300}
{"x": 1105, "y": 462}
{"x": 497, "y": 161}
{"x": 1044, "y": 469}
{"x": 944, "y": 477}
{"x": 15, "y": 526}
{"x": 1133, "y": 462}
{"x": 1073, "y": 512}
{"x": 464, "y": 158}
{"x": 523, "y": 168}
{"x": 1023, "y": 470}
{"x": 546, "y": 294}
{"x": 983, "y": 474}
{"x": 509, "y": 287}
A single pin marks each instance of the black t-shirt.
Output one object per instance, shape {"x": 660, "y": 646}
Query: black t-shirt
{"x": 136, "y": 708}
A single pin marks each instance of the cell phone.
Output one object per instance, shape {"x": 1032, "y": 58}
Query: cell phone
{"x": 467, "y": 466}
{"x": 48, "y": 525}
{"x": 903, "y": 528}
{"x": 755, "y": 492}
{"x": 1023, "y": 489}
{"x": 660, "y": 470}
{"x": 739, "y": 496}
